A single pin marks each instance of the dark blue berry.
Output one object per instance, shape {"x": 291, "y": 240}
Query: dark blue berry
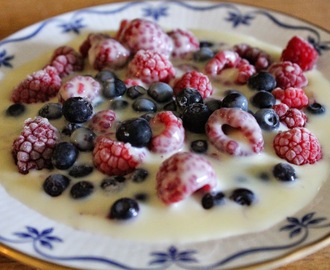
{"x": 243, "y": 196}
{"x": 262, "y": 81}
{"x": 316, "y": 108}
{"x": 51, "y": 111}
{"x": 203, "y": 54}
{"x": 105, "y": 75}
{"x": 124, "y": 208}
{"x": 144, "y": 105}
{"x": 284, "y": 172}
{"x": 212, "y": 199}
{"x": 113, "y": 184}
{"x": 213, "y": 104}
{"x": 171, "y": 106}
{"x": 188, "y": 96}
{"x": 81, "y": 189}
{"x": 135, "y": 131}
{"x": 55, "y": 184}
{"x": 147, "y": 116}
{"x": 69, "y": 128}
{"x": 118, "y": 104}
{"x": 81, "y": 170}
{"x": 113, "y": 88}
{"x": 142, "y": 197}
{"x": 135, "y": 91}
{"x": 160, "y": 91}
{"x": 64, "y": 155}
{"x": 83, "y": 138}
{"x": 267, "y": 119}
{"x": 139, "y": 175}
{"x": 77, "y": 110}
{"x": 199, "y": 146}
{"x": 263, "y": 99}
{"x": 16, "y": 109}
{"x": 235, "y": 100}
{"x": 205, "y": 43}
{"x": 195, "y": 117}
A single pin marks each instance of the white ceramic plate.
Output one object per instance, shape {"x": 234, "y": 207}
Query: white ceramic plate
{"x": 25, "y": 232}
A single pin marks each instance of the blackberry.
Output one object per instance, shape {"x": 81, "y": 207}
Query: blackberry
{"x": 316, "y": 108}
{"x": 267, "y": 119}
{"x": 144, "y": 105}
{"x": 263, "y": 99}
{"x": 188, "y": 96}
{"x": 135, "y": 131}
{"x": 243, "y": 196}
{"x": 195, "y": 117}
{"x": 284, "y": 172}
{"x": 16, "y": 109}
{"x": 81, "y": 189}
{"x": 139, "y": 175}
{"x": 124, "y": 208}
{"x": 83, "y": 138}
{"x": 199, "y": 146}
{"x": 212, "y": 199}
{"x": 77, "y": 110}
{"x": 55, "y": 184}
{"x": 51, "y": 111}
{"x": 81, "y": 170}
{"x": 262, "y": 81}
{"x": 160, "y": 91}
{"x": 235, "y": 100}
{"x": 64, "y": 155}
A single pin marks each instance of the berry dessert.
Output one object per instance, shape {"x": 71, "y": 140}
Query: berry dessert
{"x": 147, "y": 130}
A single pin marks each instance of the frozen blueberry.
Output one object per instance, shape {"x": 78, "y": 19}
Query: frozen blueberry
{"x": 16, "y": 109}
{"x": 284, "y": 172}
{"x": 235, "y": 100}
{"x": 171, "y": 106}
{"x": 124, "y": 208}
{"x": 64, "y": 155}
{"x": 203, "y": 54}
{"x": 199, "y": 146}
{"x": 267, "y": 119}
{"x": 262, "y": 81}
{"x": 205, "y": 43}
{"x": 144, "y": 105}
{"x": 136, "y": 131}
{"x": 243, "y": 196}
{"x": 160, "y": 91}
{"x": 51, "y": 111}
{"x": 213, "y": 104}
{"x": 105, "y": 75}
{"x": 211, "y": 199}
{"x": 69, "y": 128}
{"x": 118, "y": 104}
{"x": 81, "y": 189}
{"x": 81, "y": 170}
{"x": 113, "y": 184}
{"x": 263, "y": 99}
{"x": 139, "y": 175}
{"x": 135, "y": 91}
{"x": 77, "y": 110}
{"x": 316, "y": 108}
{"x": 141, "y": 196}
{"x": 188, "y": 96}
{"x": 83, "y": 138}
{"x": 195, "y": 117}
{"x": 113, "y": 88}
{"x": 55, "y": 184}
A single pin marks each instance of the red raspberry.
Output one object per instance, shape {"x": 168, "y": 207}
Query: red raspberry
{"x": 168, "y": 133}
{"x": 38, "y": 87}
{"x": 34, "y": 147}
{"x": 87, "y": 43}
{"x": 299, "y": 51}
{"x": 116, "y": 158}
{"x": 107, "y": 53}
{"x": 280, "y": 109}
{"x": 258, "y": 58}
{"x": 288, "y": 74}
{"x": 184, "y": 43}
{"x": 293, "y": 97}
{"x": 141, "y": 34}
{"x": 151, "y": 66}
{"x": 66, "y": 60}
{"x": 196, "y": 80}
{"x": 294, "y": 118}
{"x": 182, "y": 174}
{"x": 298, "y": 146}
{"x": 102, "y": 121}
{"x": 80, "y": 86}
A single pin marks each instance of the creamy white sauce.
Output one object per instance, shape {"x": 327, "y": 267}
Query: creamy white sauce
{"x": 186, "y": 220}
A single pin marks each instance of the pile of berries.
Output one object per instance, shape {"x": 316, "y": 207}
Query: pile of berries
{"x": 166, "y": 107}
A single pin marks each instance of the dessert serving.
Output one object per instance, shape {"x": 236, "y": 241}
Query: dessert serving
{"x": 167, "y": 135}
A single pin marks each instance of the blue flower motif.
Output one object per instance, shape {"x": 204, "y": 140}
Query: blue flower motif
{"x": 237, "y": 19}
{"x": 73, "y": 25}
{"x": 155, "y": 13}
{"x": 324, "y": 46}
{"x": 173, "y": 256}
{"x": 5, "y": 59}
{"x": 44, "y": 238}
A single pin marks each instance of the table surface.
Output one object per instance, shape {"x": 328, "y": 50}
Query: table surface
{"x": 16, "y": 15}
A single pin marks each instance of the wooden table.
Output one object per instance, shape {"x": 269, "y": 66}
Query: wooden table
{"x": 19, "y": 14}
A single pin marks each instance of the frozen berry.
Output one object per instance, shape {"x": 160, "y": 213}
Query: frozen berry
{"x": 298, "y": 146}
{"x": 69, "y": 128}
{"x": 124, "y": 208}
{"x": 160, "y": 92}
{"x": 293, "y": 97}
{"x": 118, "y": 104}
{"x": 102, "y": 121}
{"x": 284, "y": 172}
{"x": 184, "y": 43}
{"x": 203, "y": 54}
{"x": 83, "y": 138}
{"x": 263, "y": 99}
{"x": 144, "y": 105}
{"x": 211, "y": 199}
{"x": 243, "y": 196}
{"x": 199, "y": 146}
{"x": 64, "y": 155}
{"x": 195, "y": 117}
{"x": 135, "y": 131}
{"x": 34, "y": 147}
{"x": 139, "y": 175}
{"x": 40, "y": 86}
{"x": 316, "y": 108}
{"x": 77, "y": 110}
{"x": 188, "y": 96}
{"x": 113, "y": 88}
{"x": 55, "y": 184}
{"x": 113, "y": 184}
{"x": 213, "y": 104}
{"x": 51, "y": 111}
{"x": 81, "y": 170}
{"x": 294, "y": 118}
{"x": 262, "y": 81}
{"x": 235, "y": 100}
{"x": 267, "y": 119}
{"x": 15, "y": 109}
{"x": 135, "y": 91}
{"x": 81, "y": 189}
{"x": 87, "y": 43}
